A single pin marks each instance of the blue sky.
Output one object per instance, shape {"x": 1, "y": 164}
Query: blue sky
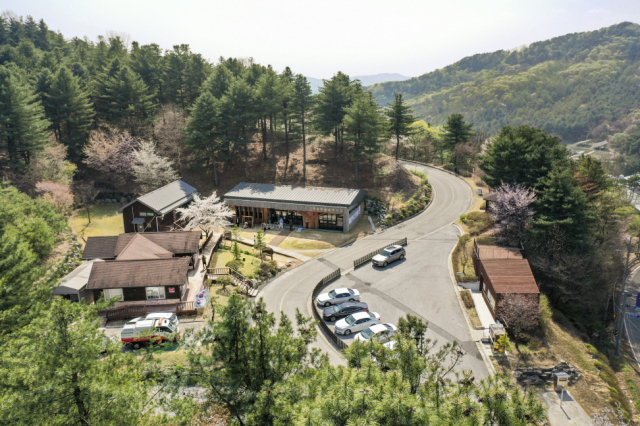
{"x": 322, "y": 37}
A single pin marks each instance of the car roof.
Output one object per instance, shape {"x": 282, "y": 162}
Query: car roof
{"x": 160, "y": 315}
{"x": 360, "y": 315}
{"x": 378, "y": 328}
{"x": 145, "y": 323}
{"x": 347, "y": 304}
{"x": 341, "y": 290}
{"x": 394, "y": 247}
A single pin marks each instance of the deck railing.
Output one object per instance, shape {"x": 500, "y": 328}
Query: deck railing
{"x": 132, "y": 311}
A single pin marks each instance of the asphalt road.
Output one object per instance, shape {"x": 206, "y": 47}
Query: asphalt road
{"x": 632, "y": 325}
{"x": 420, "y": 285}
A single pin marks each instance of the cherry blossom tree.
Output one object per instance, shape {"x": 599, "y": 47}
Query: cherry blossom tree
{"x": 111, "y": 153}
{"x": 519, "y": 312}
{"x": 512, "y": 213}
{"x": 150, "y": 170}
{"x": 206, "y": 213}
{"x": 57, "y": 194}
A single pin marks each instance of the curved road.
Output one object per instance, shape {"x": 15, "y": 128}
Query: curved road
{"x": 420, "y": 285}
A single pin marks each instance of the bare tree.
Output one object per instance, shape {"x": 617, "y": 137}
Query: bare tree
{"x": 519, "y": 312}
{"x": 51, "y": 165}
{"x": 57, "y": 194}
{"x": 169, "y": 132}
{"x": 512, "y": 213}
{"x": 84, "y": 193}
{"x": 111, "y": 152}
{"x": 150, "y": 170}
{"x": 206, "y": 213}
{"x": 464, "y": 254}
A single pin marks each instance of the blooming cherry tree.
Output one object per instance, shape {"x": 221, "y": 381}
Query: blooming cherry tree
{"x": 512, "y": 212}
{"x": 57, "y": 194}
{"x": 206, "y": 213}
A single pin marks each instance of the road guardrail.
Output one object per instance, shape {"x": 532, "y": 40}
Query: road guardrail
{"x": 364, "y": 259}
{"x": 316, "y": 291}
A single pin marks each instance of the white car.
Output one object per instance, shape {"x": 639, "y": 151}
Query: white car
{"x": 357, "y": 322}
{"x": 382, "y": 331}
{"x": 337, "y": 296}
{"x": 173, "y": 319}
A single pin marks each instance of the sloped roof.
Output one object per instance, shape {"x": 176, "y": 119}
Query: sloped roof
{"x": 510, "y": 275}
{"x": 100, "y": 248}
{"x": 176, "y": 242}
{"x": 140, "y": 247}
{"x": 495, "y": 252}
{"x": 294, "y": 194}
{"x": 165, "y": 199}
{"x": 139, "y": 273}
{"x": 76, "y": 280}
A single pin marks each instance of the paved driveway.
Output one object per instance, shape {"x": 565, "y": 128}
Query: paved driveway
{"x": 420, "y": 285}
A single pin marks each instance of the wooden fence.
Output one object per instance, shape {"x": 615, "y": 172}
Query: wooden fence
{"x": 219, "y": 271}
{"x": 364, "y": 259}
{"x": 316, "y": 291}
{"x": 133, "y": 311}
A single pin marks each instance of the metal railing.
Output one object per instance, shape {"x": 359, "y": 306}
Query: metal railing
{"x": 316, "y": 291}
{"x": 364, "y": 259}
{"x": 218, "y": 271}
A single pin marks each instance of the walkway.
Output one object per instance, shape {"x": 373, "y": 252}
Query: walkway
{"x": 484, "y": 314}
{"x": 279, "y": 238}
{"x": 196, "y": 275}
{"x": 571, "y": 413}
{"x": 278, "y": 250}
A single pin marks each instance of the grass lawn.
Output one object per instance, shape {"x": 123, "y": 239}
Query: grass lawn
{"x": 309, "y": 239}
{"x": 221, "y": 257}
{"x": 105, "y": 221}
{"x": 268, "y": 236}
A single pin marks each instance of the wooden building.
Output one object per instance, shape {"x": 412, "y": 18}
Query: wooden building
{"x": 155, "y": 211}
{"x": 148, "y": 245}
{"x": 502, "y": 271}
{"x": 308, "y": 207}
{"x": 140, "y": 280}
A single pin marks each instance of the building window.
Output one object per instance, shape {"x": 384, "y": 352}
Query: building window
{"x": 110, "y": 293}
{"x": 155, "y": 293}
{"x": 331, "y": 222}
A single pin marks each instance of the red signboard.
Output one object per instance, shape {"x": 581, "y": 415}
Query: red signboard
{"x": 172, "y": 289}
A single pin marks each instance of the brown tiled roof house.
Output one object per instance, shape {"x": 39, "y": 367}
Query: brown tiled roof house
{"x": 502, "y": 271}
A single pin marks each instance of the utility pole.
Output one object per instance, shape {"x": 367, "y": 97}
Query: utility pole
{"x": 621, "y": 309}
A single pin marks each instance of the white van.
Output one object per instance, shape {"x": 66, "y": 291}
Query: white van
{"x": 173, "y": 318}
{"x": 152, "y": 330}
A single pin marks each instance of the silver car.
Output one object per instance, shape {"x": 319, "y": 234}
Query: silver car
{"x": 388, "y": 255}
{"x": 357, "y": 322}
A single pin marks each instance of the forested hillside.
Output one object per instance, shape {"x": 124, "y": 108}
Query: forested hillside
{"x": 577, "y": 86}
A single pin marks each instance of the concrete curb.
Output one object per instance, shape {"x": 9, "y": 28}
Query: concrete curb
{"x": 320, "y": 330}
{"x": 454, "y": 282}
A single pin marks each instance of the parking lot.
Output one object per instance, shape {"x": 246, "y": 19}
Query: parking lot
{"x": 416, "y": 286}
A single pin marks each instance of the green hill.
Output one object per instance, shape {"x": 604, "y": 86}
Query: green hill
{"x": 569, "y": 85}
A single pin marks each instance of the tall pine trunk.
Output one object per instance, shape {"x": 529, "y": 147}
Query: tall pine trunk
{"x": 335, "y": 132}
{"x": 286, "y": 136}
{"x": 273, "y": 147}
{"x": 397, "y": 146}
{"x": 263, "y": 127}
{"x": 304, "y": 153}
{"x": 215, "y": 170}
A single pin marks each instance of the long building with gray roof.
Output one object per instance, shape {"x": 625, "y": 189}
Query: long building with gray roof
{"x": 337, "y": 209}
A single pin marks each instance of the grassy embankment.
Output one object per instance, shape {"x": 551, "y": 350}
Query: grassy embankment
{"x": 105, "y": 221}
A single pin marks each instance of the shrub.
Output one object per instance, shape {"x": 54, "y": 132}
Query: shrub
{"x": 467, "y": 299}
{"x": 224, "y": 281}
{"x": 483, "y": 206}
{"x": 274, "y": 271}
{"x": 236, "y": 265}
{"x": 535, "y": 344}
{"x": 449, "y": 167}
{"x": 463, "y": 218}
{"x": 426, "y": 200}
{"x": 401, "y": 217}
{"x": 525, "y": 352}
{"x": 465, "y": 173}
{"x": 404, "y": 211}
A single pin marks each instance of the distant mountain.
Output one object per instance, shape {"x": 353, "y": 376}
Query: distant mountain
{"x": 578, "y": 86}
{"x": 366, "y": 80}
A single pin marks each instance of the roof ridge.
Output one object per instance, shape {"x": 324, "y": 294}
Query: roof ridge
{"x": 146, "y": 260}
{"x": 301, "y": 186}
{"x": 158, "y": 189}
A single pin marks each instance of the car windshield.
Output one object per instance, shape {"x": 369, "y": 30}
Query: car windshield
{"x": 332, "y": 293}
{"x": 337, "y": 308}
{"x": 367, "y": 333}
{"x": 350, "y": 319}
{"x": 386, "y": 252}
{"x": 173, "y": 318}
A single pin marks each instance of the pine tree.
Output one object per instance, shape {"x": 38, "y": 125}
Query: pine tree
{"x": 205, "y": 129}
{"x": 335, "y": 95}
{"x": 22, "y": 121}
{"x": 302, "y": 104}
{"x": 127, "y": 101}
{"x": 365, "y": 127}
{"x": 72, "y": 112}
{"x": 400, "y": 120}
{"x": 270, "y": 93}
{"x": 237, "y": 255}
{"x": 259, "y": 244}
{"x": 239, "y": 115}
{"x": 286, "y": 86}
{"x": 149, "y": 63}
{"x": 456, "y": 131}
{"x": 55, "y": 372}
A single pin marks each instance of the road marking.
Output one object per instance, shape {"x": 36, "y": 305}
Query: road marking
{"x": 294, "y": 285}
